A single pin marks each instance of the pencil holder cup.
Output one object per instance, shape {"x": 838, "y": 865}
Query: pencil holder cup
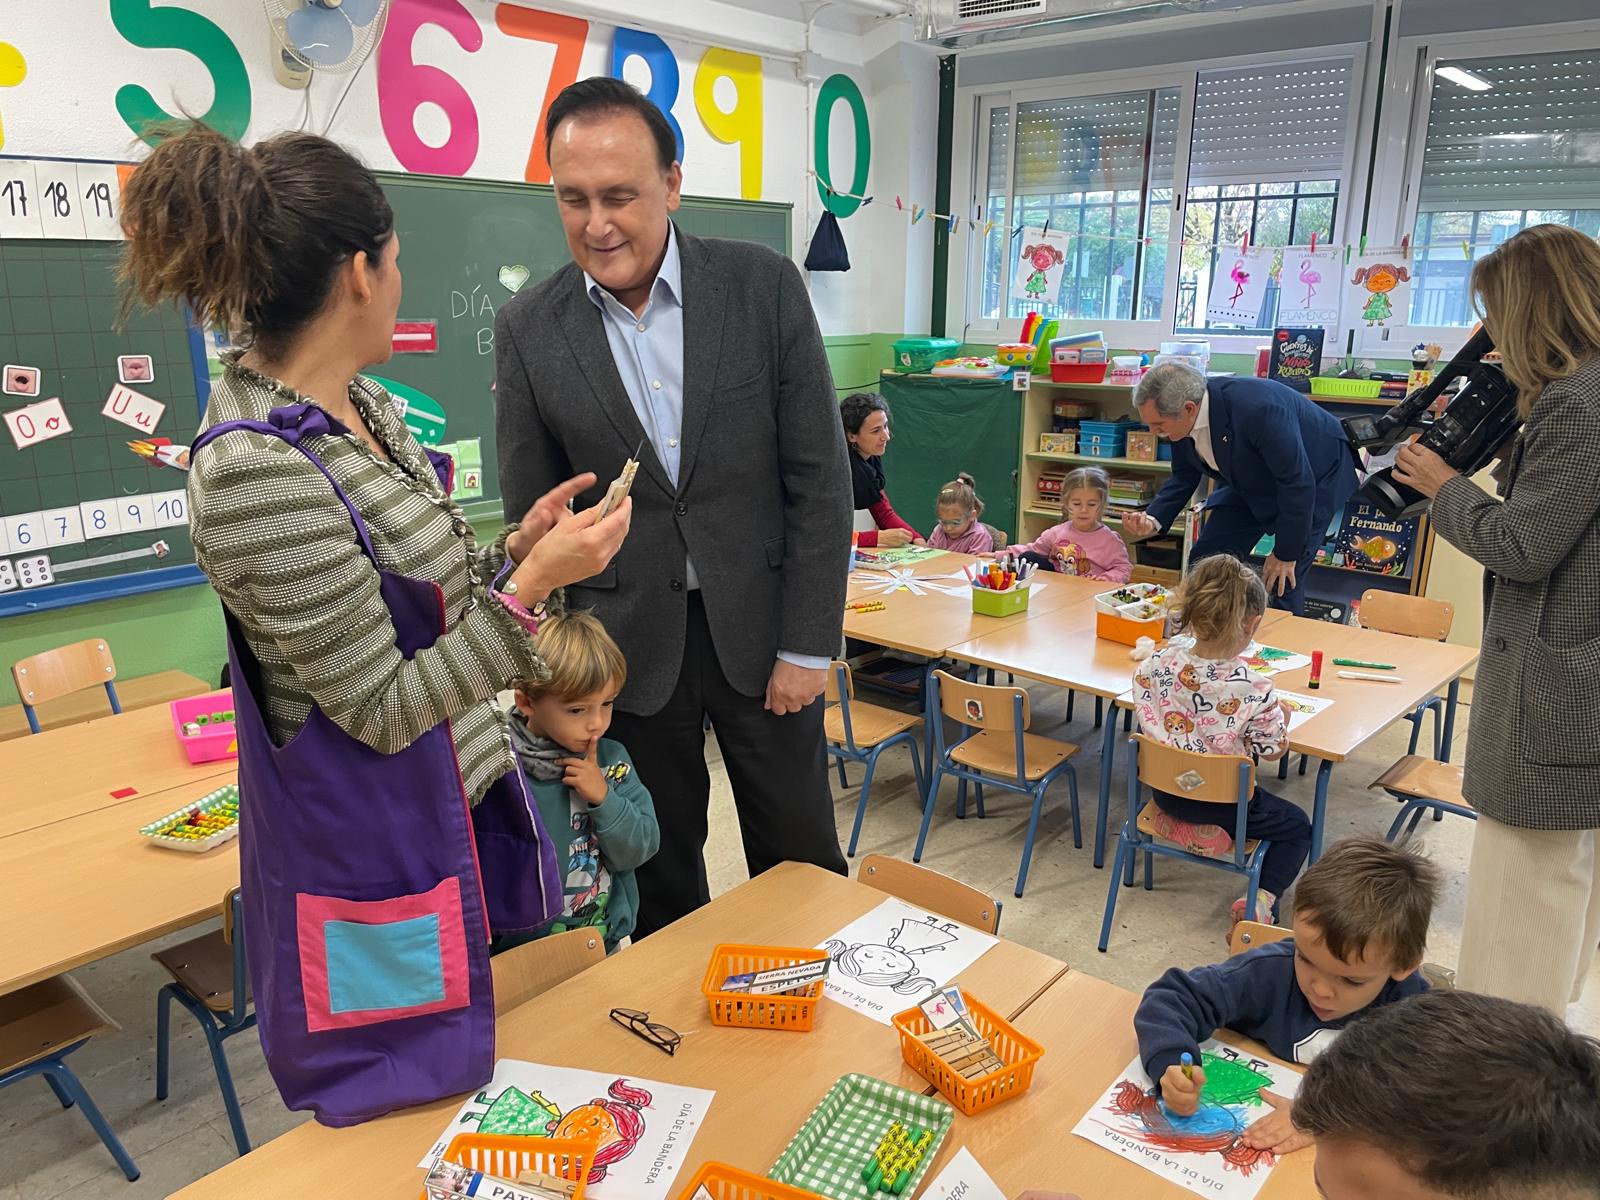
{"x": 971, "y": 1096}
{"x": 722, "y": 1182}
{"x": 505, "y": 1156}
{"x": 1000, "y": 604}
{"x": 794, "y": 1011}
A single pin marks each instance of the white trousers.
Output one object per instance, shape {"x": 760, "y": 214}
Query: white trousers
{"x": 1533, "y": 914}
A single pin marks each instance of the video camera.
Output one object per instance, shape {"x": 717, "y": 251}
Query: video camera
{"x": 1466, "y": 435}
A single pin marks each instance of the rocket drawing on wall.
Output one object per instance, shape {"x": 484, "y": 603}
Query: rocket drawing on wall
{"x": 893, "y": 962}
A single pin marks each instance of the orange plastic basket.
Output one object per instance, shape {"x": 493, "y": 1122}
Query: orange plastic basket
{"x": 794, "y": 1012}
{"x": 971, "y": 1096}
{"x": 506, "y": 1156}
{"x": 723, "y": 1182}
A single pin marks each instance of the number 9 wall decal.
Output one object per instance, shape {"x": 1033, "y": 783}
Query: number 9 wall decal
{"x": 13, "y": 69}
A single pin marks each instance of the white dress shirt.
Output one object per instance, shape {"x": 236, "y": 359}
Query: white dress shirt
{"x": 1201, "y": 433}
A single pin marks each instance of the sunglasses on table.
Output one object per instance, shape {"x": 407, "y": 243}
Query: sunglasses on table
{"x": 663, "y": 1037}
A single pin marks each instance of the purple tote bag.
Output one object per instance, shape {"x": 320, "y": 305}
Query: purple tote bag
{"x": 370, "y": 887}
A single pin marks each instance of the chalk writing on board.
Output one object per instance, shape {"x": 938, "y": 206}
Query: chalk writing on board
{"x": 476, "y": 306}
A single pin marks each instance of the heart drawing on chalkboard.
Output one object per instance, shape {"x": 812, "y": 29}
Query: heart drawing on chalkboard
{"x": 512, "y": 278}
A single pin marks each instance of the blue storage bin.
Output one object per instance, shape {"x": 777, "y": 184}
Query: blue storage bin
{"x": 1113, "y": 428}
{"x": 1102, "y": 450}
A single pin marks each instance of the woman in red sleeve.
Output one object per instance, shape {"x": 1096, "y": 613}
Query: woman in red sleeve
{"x": 866, "y": 428}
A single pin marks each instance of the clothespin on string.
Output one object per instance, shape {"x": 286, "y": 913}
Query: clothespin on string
{"x": 1046, "y": 232}
{"x": 917, "y": 212}
{"x": 1363, "y": 243}
{"x": 1405, "y": 246}
{"x": 1313, "y": 241}
{"x": 953, "y": 220}
{"x": 1244, "y": 244}
{"x": 898, "y": 206}
{"x": 1466, "y": 250}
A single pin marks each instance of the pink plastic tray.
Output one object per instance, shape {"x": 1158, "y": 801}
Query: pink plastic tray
{"x": 216, "y": 739}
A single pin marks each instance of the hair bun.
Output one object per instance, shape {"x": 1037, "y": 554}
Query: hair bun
{"x": 966, "y": 479}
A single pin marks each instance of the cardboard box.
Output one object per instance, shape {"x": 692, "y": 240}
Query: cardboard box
{"x": 1142, "y": 445}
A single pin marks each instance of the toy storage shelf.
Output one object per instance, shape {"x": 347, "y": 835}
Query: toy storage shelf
{"x": 1089, "y": 460}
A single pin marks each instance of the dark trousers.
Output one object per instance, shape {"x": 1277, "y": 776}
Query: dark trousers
{"x": 1283, "y": 824}
{"x": 777, "y": 766}
{"x": 1230, "y": 528}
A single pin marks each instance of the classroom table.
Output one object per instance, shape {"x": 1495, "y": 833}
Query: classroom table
{"x": 766, "y": 1081}
{"x": 88, "y": 887}
{"x": 135, "y": 691}
{"x": 68, "y": 772}
{"x": 1086, "y": 1028}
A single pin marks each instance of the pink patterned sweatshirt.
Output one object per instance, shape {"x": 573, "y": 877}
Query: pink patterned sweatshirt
{"x": 1099, "y": 554}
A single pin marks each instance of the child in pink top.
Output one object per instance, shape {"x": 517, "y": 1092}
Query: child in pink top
{"x": 958, "y": 507}
{"x": 1082, "y": 544}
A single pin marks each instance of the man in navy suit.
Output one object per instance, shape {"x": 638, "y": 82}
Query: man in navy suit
{"x": 1283, "y": 465}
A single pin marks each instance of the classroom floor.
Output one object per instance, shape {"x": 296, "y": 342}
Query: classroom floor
{"x": 51, "y": 1152}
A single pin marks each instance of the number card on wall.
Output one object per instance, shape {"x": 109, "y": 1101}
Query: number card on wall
{"x": 54, "y": 198}
{"x": 19, "y": 200}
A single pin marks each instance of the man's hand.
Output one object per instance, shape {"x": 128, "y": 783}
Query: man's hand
{"x": 583, "y": 775}
{"x": 890, "y": 539}
{"x": 1277, "y": 1132}
{"x": 1180, "y": 1092}
{"x": 1422, "y": 469}
{"x": 791, "y": 688}
{"x": 1277, "y": 575}
{"x": 541, "y": 518}
{"x": 1140, "y": 525}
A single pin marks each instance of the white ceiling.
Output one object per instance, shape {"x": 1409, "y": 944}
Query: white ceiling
{"x": 830, "y": 16}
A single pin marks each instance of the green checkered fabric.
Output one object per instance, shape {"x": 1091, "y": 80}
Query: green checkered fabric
{"x": 827, "y": 1154}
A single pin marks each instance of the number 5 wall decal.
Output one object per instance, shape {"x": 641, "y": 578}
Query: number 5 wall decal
{"x": 173, "y": 28}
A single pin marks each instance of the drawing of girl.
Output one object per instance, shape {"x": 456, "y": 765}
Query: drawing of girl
{"x": 878, "y": 966}
{"x": 617, "y": 1124}
{"x": 1041, "y": 257}
{"x": 1380, "y": 279}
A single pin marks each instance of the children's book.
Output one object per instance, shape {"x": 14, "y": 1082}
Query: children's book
{"x": 1295, "y": 357}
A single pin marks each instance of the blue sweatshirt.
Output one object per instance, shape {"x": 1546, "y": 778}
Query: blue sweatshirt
{"x": 1254, "y": 994}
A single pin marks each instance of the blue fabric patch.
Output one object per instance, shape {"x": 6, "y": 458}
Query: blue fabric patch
{"x": 371, "y": 967}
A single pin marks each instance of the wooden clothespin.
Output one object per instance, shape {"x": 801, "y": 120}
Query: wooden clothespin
{"x": 1405, "y": 246}
{"x": 1313, "y": 241}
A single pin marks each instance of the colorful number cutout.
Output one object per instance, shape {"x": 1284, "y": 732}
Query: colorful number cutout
{"x": 567, "y": 35}
{"x": 663, "y": 65}
{"x": 13, "y": 70}
{"x": 836, "y": 88}
{"x": 404, "y": 85}
{"x": 172, "y": 28}
{"x": 743, "y": 123}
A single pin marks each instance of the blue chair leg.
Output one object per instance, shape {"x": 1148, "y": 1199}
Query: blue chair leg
{"x": 1033, "y": 829}
{"x": 916, "y": 764}
{"x": 861, "y": 801}
{"x": 61, "y": 1093}
{"x": 1099, "y": 710}
{"x": 1400, "y": 819}
{"x": 230, "y": 1098}
{"x": 961, "y": 798}
{"x": 977, "y": 797}
{"x": 1149, "y": 871}
{"x": 69, "y": 1083}
{"x": 1070, "y": 695}
{"x": 935, "y": 774}
{"x": 1252, "y": 881}
{"x": 843, "y": 782}
{"x": 1117, "y": 866}
{"x": 1283, "y": 767}
{"x": 163, "y": 1038}
{"x": 1415, "y": 718}
{"x": 1077, "y": 818}
{"x": 1134, "y": 843}
{"x": 1422, "y": 811}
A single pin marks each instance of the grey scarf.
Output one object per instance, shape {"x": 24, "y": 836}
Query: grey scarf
{"x": 538, "y": 755}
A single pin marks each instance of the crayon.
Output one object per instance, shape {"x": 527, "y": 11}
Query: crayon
{"x": 1188, "y": 1065}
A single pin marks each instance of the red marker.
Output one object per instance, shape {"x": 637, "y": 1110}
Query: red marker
{"x": 1316, "y": 670}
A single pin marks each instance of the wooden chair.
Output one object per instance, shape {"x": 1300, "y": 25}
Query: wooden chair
{"x": 1418, "y": 617}
{"x": 524, "y": 971}
{"x": 39, "y": 1027}
{"x": 1423, "y": 785}
{"x": 1219, "y": 779}
{"x": 858, "y": 732}
{"x": 996, "y": 750}
{"x": 47, "y": 676}
{"x": 210, "y": 979}
{"x": 1248, "y": 935}
{"x": 927, "y": 888}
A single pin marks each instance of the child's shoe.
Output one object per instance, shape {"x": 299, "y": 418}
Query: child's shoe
{"x": 1266, "y": 911}
{"x": 1213, "y": 841}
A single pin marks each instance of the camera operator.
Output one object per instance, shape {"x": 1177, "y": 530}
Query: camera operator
{"x": 1533, "y": 744}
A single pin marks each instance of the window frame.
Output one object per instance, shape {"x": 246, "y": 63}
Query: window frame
{"x": 1402, "y": 144}
{"x": 971, "y": 138}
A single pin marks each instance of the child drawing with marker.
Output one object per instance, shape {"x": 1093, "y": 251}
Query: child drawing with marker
{"x": 892, "y": 962}
{"x": 582, "y": 782}
{"x": 1082, "y": 544}
{"x": 1204, "y": 697}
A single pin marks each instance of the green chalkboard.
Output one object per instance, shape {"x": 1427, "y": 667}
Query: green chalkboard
{"x": 105, "y": 521}
{"x": 466, "y": 247}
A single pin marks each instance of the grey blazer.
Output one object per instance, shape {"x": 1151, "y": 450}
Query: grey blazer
{"x": 1533, "y": 747}
{"x": 763, "y": 496}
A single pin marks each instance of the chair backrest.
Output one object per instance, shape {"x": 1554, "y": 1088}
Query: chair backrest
{"x": 1213, "y": 778}
{"x": 523, "y": 972}
{"x": 1248, "y": 935}
{"x": 981, "y": 707}
{"x": 233, "y": 935}
{"x": 831, "y": 692}
{"x": 51, "y": 674}
{"x": 930, "y": 890}
{"x": 1414, "y": 616}
{"x": 997, "y": 536}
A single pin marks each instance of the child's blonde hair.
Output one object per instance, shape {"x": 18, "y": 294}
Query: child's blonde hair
{"x": 1081, "y": 479}
{"x": 1218, "y": 596}
{"x": 581, "y": 657}
{"x": 961, "y": 492}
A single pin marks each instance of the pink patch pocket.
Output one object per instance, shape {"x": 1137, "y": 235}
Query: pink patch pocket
{"x": 363, "y": 962}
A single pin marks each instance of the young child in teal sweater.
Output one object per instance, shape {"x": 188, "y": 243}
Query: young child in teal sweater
{"x": 584, "y": 783}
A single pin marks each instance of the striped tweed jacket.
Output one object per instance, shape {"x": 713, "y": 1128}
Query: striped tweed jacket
{"x": 281, "y": 552}
{"x": 1533, "y": 747}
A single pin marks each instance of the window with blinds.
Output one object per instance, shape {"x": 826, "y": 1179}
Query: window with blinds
{"x": 1266, "y": 158}
{"x": 1511, "y": 142}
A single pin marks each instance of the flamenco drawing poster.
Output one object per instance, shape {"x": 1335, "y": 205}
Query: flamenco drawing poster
{"x": 1203, "y": 1153}
{"x": 644, "y": 1128}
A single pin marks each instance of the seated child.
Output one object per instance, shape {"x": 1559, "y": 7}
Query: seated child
{"x": 958, "y": 507}
{"x": 1452, "y": 1094}
{"x": 584, "y": 783}
{"x": 1204, "y": 698}
{"x": 1082, "y": 544}
{"x": 1361, "y": 918}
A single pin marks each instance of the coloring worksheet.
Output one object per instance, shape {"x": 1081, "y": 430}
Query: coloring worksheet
{"x": 887, "y": 960}
{"x": 1302, "y": 708}
{"x": 1238, "y": 285}
{"x": 1310, "y": 289}
{"x": 1270, "y": 660}
{"x": 644, "y": 1128}
{"x": 1203, "y": 1153}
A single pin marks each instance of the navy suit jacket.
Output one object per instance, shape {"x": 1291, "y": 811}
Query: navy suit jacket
{"x": 1282, "y": 456}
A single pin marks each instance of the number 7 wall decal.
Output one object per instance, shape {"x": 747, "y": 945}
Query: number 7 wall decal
{"x": 567, "y": 35}
{"x": 13, "y": 70}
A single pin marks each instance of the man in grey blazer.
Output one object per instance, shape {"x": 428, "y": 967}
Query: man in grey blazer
{"x": 728, "y": 596}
